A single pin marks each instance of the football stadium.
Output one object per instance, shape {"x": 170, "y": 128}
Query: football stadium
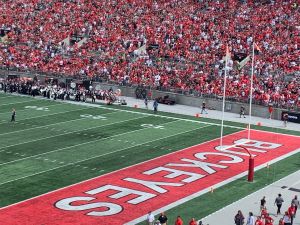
{"x": 164, "y": 112}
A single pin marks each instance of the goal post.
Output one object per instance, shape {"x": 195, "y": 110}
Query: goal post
{"x": 242, "y": 151}
{"x": 251, "y": 164}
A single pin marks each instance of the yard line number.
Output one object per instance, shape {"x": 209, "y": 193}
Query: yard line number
{"x": 94, "y": 117}
{"x": 153, "y": 126}
{"x": 37, "y": 108}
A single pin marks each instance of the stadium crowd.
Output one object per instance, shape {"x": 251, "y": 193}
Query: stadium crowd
{"x": 168, "y": 44}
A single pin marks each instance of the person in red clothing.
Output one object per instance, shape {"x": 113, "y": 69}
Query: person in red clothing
{"x": 291, "y": 211}
{"x": 178, "y": 221}
{"x": 270, "y": 110}
{"x": 264, "y": 212}
{"x": 281, "y": 222}
{"x": 193, "y": 222}
{"x": 268, "y": 219}
{"x": 259, "y": 221}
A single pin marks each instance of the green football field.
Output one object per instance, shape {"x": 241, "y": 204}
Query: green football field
{"x": 54, "y": 144}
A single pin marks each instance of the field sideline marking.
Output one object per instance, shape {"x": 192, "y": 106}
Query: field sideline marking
{"x": 51, "y": 124}
{"x": 5, "y": 95}
{"x": 108, "y": 153}
{"x": 88, "y": 142}
{"x": 207, "y": 190}
{"x": 39, "y": 139}
{"x": 255, "y": 192}
{"x": 149, "y": 160}
{"x": 101, "y": 105}
{"x": 33, "y": 100}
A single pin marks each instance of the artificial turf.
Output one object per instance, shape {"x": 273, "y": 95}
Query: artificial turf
{"x": 54, "y": 144}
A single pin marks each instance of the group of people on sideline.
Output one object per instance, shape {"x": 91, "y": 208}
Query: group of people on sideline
{"x": 264, "y": 217}
{"x": 163, "y": 220}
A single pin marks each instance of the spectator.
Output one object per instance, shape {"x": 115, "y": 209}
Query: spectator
{"x": 178, "y": 221}
{"x": 291, "y": 211}
{"x": 286, "y": 218}
{"x": 259, "y": 221}
{"x": 295, "y": 201}
{"x": 239, "y": 218}
{"x": 150, "y": 218}
{"x": 250, "y": 219}
{"x": 268, "y": 219}
{"x": 278, "y": 201}
{"x": 263, "y": 203}
{"x": 163, "y": 219}
{"x": 193, "y": 222}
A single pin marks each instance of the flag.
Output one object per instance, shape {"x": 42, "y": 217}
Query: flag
{"x": 242, "y": 63}
{"x": 256, "y": 49}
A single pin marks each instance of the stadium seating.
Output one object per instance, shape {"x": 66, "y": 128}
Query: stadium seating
{"x": 174, "y": 44}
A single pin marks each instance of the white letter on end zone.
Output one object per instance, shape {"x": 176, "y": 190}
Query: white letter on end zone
{"x": 154, "y": 185}
{"x": 144, "y": 196}
{"x": 175, "y": 173}
{"x": 65, "y": 204}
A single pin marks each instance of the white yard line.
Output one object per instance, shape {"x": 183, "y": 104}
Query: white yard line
{"x": 119, "y": 169}
{"x": 52, "y": 123}
{"x": 57, "y": 135}
{"x": 108, "y": 153}
{"x": 47, "y": 115}
{"x": 33, "y": 100}
{"x": 6, "y": 96}
{"x": 88, "y": 142}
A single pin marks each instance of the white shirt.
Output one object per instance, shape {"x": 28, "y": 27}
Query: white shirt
{"x": 250, "y": 220}
{"x": 150, "y": 218}
{"x": 286, "y": 219}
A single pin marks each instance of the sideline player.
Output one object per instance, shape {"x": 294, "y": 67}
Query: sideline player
{"x": 242, "y": 112}
{"x": 203, "y": 108}
{"x": 13, "y": 115}
{"x": 285, "y": 118}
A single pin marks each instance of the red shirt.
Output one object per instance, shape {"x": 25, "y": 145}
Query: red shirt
{"x": 193, "y": 222}
{"x": 269, "y": 220}
{"x": 291, "y": 210}
{"x": 259, "y": 222}
{"x": 179, "y": 221}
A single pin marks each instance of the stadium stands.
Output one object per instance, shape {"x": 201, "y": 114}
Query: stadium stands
{"x": 166, "y": 44}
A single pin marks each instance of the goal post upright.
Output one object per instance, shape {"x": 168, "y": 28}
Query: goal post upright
{"x": 227, "y": 56}
{"x": 251, "y": 164}
{"x": 251, "y": 91}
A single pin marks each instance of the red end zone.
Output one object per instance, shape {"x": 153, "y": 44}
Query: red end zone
{"x": 126, "y": 195}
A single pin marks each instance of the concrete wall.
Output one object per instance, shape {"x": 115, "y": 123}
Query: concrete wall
{"x": 234, "y": 107}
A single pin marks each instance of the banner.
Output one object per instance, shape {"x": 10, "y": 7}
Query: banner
{"x": 292, "y": 116}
